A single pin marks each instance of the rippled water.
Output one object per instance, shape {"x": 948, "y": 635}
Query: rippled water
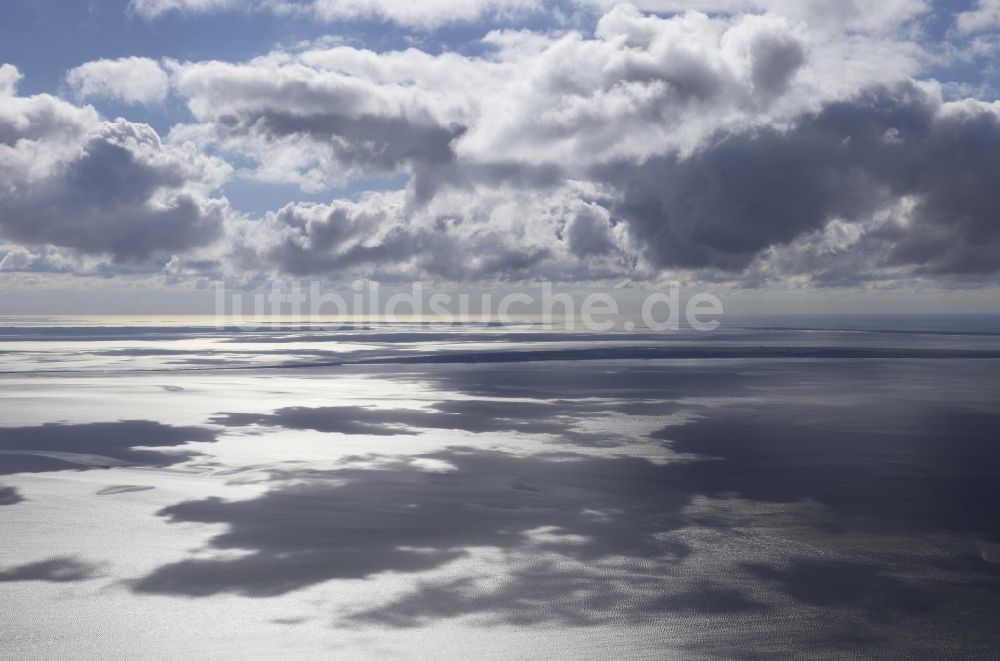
{"x": 783, "y": 487}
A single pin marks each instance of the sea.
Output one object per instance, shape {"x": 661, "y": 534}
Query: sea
{"x": 798, "y": 486}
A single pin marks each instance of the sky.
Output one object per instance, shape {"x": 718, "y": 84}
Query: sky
{"x": 806, "y": 154}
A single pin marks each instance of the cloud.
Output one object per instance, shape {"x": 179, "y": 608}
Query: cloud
{"x": 852, "y": 15}
{"x": 314, "y": 239}
{"x": 703, "y": 143}
{"x": 319, "y": 123}
{"x": 425, "y": 15}
{"x": 766, "y": 139}
{"x": 742, "y": 193}
{"x": 688, "y": 142}
{"x": 16, "y": 259}
{"x": 486, "y": 232}
{"x": 128, "y": 79}
{"x": 642, "y": 86}
{"x": 71, "y": 180}
{"x": 156, "y": 8}
{"x": 984, "y": 17}
{"x": 9, "y": 77}
{"x": 589, "y": 233}
{"x": 497, "y": 146}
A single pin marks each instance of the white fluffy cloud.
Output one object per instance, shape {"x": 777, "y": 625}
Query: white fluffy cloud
{"x": 155, "y": 8}
{"x": 767, "y": 139}
{"x": 854, "y": 15}
{"x": 318, "y": 125}
{"x": 641, "y": 86}
{"x": 9, "y": 77}
{"x": 128, "y": 79}
{"x": 425, "y": 14}
{"x": 72, "y": 180}
{"x": 983, "y": 17}
{"x": 483, "y": 234}
{"x": 428, "y": 14}
{"x": 844, "y": 15}
{"x": 700, "y": 142}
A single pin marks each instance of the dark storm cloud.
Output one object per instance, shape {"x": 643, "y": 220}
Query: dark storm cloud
{"x": 723, "y": 205}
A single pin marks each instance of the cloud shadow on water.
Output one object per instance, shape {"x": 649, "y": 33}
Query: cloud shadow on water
{"x": 10, "y": 496}
{"x": 53, "y": 570}
{"x": 57, "y": 446}
{"x": 839, "y": 583}
{"x": 354, "y": 523}
{"x": 856, "y": 463}
{"x": 474, "y": 416}
{"x": 912, "y": 468}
